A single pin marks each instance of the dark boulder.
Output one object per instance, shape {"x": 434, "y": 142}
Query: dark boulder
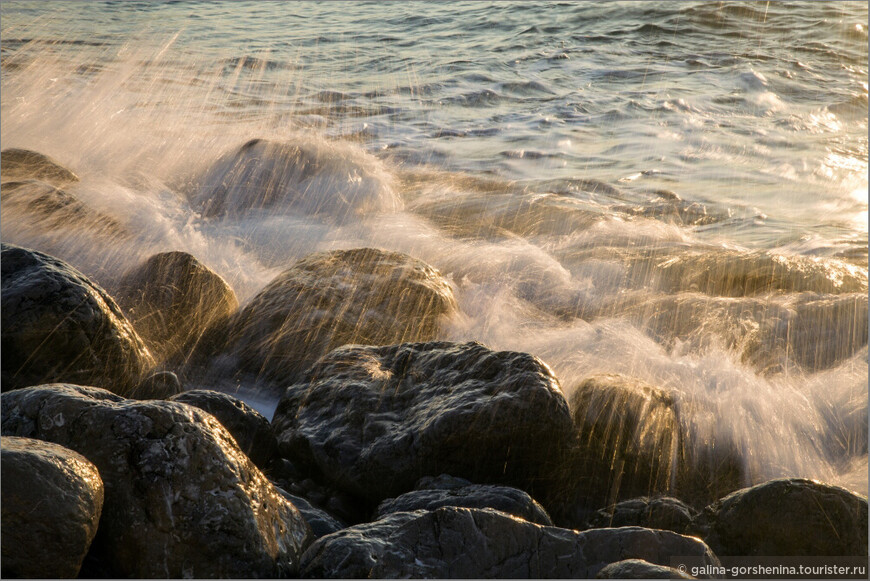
{"x": 364, "y": 296}
{"x": 23, "y": 164}
{"x": 307, "y": 482}
{"x": 250, "y": 428}
{"x": 51, "y": 505}
{"x": 640, "y": 569}
{"x": 57, "y": 325}
{"x": 432, "y": 493}
{"x": 351, "y": 553}
{"x": 467, "y": 543}
{"x": 787, "y": 517}
{"x": 181, "y": 499}
{"x": 664, "y": 513}
{"x": 374, "y": 420}
{"x": 172, "y": 299}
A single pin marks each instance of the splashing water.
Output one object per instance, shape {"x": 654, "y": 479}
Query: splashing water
{"x": 674, "y": 193}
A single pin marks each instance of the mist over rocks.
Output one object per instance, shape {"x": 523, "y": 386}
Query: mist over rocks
{"x": 783, "y": 517}
{"x": 318, "y": 178}
{"x": 482, "y": 543}
{"x": 181, "y": 499}
{"x": 52, "y": 498}
{"x": 172, "y": 299}
{"x": 58, "y": 325}
{"x": 374, "y": 420}
{"x": 24, "y": 164}
{"x": 325, "y": 300}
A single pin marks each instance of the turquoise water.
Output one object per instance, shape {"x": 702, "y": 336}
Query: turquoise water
{"x": 544, "y": 156}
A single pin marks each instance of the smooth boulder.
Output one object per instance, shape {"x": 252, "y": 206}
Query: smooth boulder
{"x": 24, "y": 164}
{"x": 57, "y": 325}
{"x": 787, "y": 517}
{"x": 52, "y": 498}
{"x": 374, "y": 420}
{"x": 172, "y": 299}
{"x": 181, "y": 499}
{"x": 432, "y": 493}
{"x": 364, "y": 295}
{"x": 463, "y": 543}
{"x": 250, "y": 428}
{"x": 640, "y": 569}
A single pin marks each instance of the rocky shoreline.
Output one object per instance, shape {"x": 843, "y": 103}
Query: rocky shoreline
{"x": 391, "y": 454}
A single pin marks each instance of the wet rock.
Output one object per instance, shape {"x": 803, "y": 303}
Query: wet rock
{"x": 736, "y": 273}
{"x": 665, "y": 513}
{"x": 23, "y": 164}
{"x": 374, "y": 420}
{"x": 158, "y": 385}
{"x": 351, "y": 553}
{"x": 172, "y": 298}
{"x": 313, "y": 178}
{"x": 57, "y": 325}
{"x": 51, "y": 208}
{"x": 483, "y": 543}
{"x": 52, "y": 500}
{"x": 181, "y": 499}
{"x": 321, "y": 522}
{"x": 633, "y": 440}
{"x": 822, "y": 520}
{"x": 326, "y": 300}
{"x": 640, "y": 569}
{"x": 250, "y": 428}
{"x": 432, "y": 493}
{"x": 628, "y": 437}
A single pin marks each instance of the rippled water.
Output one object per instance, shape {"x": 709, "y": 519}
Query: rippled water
{"x": 607, "y": 185}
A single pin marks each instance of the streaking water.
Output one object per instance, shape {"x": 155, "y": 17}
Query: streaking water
{"x": 673, "y": 191}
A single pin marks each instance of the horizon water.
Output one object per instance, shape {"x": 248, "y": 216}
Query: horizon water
{"x": 575, "y": 169}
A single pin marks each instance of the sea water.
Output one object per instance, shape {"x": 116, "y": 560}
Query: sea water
{"x": 606, "y": 185}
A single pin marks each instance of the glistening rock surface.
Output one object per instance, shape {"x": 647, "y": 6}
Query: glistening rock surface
{"x": 249, "y": 427}
{"x": 365, "y": 296}
{"x": 57, "y": 325}
{"x": 181, "y": 499}
{"x": 51, "y": 505}
{"x": 23, "y": 164}
{"x": 376, "y": 419}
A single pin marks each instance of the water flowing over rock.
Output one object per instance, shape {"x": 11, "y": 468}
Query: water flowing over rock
{"x": 664, "y": 513}
{"x": 462, "y": 543}
{"x": 181, "y": 499}
{"x": 432, "y": 493}
{"x": 351, "y": 553}
{"x": 787, "y": 517}
{"x": 640, "y": 569}
{"x": 250, "y": 428}
{"x": 628, "y": 438}
{"x": 364, "y": 295}
{"x": 52, "y": 500}
{"x": 376, "y": 419}
{"x": 57, "y": 325}
{"x": 312, "y": 178}
{"x": 172, "y": 298}
{"x": 23, "y": 164}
